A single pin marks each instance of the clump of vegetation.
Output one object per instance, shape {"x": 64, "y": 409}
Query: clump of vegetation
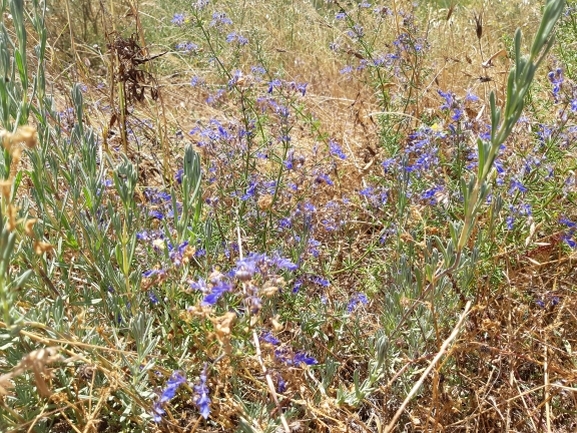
{"x": 287, "y": 216}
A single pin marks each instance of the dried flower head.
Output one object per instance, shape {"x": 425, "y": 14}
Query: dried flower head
{"x": 6, "y": 188}
{"x": 42, "y": 247}
{"x": 37, "y": 361}
{"x": 29, "y": 227}
{"x": 26, "y": 134}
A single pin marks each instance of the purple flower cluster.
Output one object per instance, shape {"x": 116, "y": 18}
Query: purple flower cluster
{"x": 218, "y": 284}
{"x": 336, "y": 150}
{"x": 201, "y": 390}
{"x": 161, "y": 204}
{"x": 286, "y": 355}
{"x": 220, "y": 19}
{"x": 423, "y": 150}
{"x": 235, "y": 37}
{"x": 452, "y": 104}
{"x": 569, "y": 235}
{"x": 247, "y": 269}
{"x": 549, "y": 300}
{"x": 522, "y": 210}
{"x": 317, "y": 280}
{"x": 178, "y": 19}
{"x": 167, "y": 394}
{"x": 186, "y": 47}
{"x": 556, "y": 78}
{"x": 356, "y": 300}
{"x": 254, "y": 263}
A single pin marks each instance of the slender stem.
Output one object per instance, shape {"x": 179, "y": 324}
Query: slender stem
{"x": 444, "y": 347}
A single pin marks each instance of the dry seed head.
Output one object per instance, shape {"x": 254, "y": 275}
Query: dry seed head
{"x": 224, "y": 324}
{"x": 42, "y": 247}
{"x": 29, "y": 226}
{"x": 27, "y": 134}
{"x": 37, "y": 360}
{"x": 265, "y": 202}
{"x": 188, "y": 254}
{"x": 277, "y": 326}
{"x": 12, "y": 213}
{"x": 6, "y": 188}
{"x": 158, "y": 243}
{"x": 450, "y": 11}
{"x": 16, "y": 155}
{"x": 6, "y": 140}
{"x": 270, "y": 291}
{"x": 479, "y": 25}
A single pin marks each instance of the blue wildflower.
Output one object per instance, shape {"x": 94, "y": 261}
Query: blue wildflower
{"x": 301, "y": 88}
{"x": 346, "y": 70}
{"x": 202, "y": 399}
{"x": 431, "y": 195}
{"x": 323, "y": 177}
{"x": 143, "y": 236}
{"x": 219, "y": 288}
{"x": 269, "y": 338}
{"x": 356, "y": 31}
{"x": 196, "y": 81}
{"x": 359, "y": 298}
{"x": 200, "y": 4}
{"x": 289, "y": 357}
{"x": 567, "y": 222}
{"x": 568, "y": 236}
{"x": 186, "y": 47}
{"x": 510, "y": 221}
{"x": 200, "y": 285}
{"x": 449, "y": 99}
{"x": 178, "y": 19}
{"x": 152, "y": 297}
{"x": 282, "y": 263}
{"x": 281, "y": 384}
{"x": 388, "y": 163}
{"x": 247, "y": 267}
{"x": 320, "y": 281}
{"x": 172, "y": 386}
{"x": 258, "y": 70}
{"x": 457, "y": 114}
{"x": 156, "y": 214}
{"x": 568, "y": 239}
{"x": 152, "y": 272}
{"x": 157, "y": 412}
{"x": 176, "y": 255}
{"x": 556, "y": 79}
{"x": 250, "y": 191}
{"x": 274, "y": 84}
{"x": 303, "y": 358}
{"x": 471, "y": 96}
{"x": 285, "y": 223}
{"x": 297, "y": 285}
{"x": 220, "y": 19}
{"x": 336, "y": 150}
{"x": 178, "y": 176}
{"x": 167, "y": 394}
{"x": 517, "y": 186}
